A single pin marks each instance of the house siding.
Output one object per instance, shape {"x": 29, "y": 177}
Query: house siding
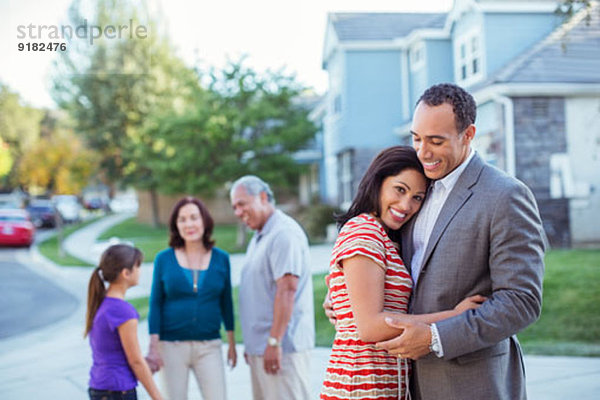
{"x": 540, "y": 133}
{"x": 503, "y": 45}
{"x": 439, "y": 63}
{"x": 373, "y": 100}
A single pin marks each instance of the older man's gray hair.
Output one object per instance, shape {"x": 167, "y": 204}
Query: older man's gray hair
{"x": 253, "y": 186}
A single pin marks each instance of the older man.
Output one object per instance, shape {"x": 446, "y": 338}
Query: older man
{"x": 276, "y": 304}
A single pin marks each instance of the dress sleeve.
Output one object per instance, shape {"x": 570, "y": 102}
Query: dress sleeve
{"x": 226, "y": 297}
{"x": 156, "y": 298}
{"x": 360, "y": 238}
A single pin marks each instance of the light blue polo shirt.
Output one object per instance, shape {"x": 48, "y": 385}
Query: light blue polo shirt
{"x": 280, "y": 248}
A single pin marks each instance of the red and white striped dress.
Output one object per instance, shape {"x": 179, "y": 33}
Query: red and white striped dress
{"x": 357, "y": 369}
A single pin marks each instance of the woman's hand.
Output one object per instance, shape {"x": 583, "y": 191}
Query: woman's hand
{"x": 154, "y": 358}
{"x": 231, "y": 356}
{"x": 470, "y": 303}
{"x": 231, "y": 351}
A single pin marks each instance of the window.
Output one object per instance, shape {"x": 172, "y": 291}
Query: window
{"x": 345, "y": 178}
{"x": 337, "y": 104}
{"x": 417, "y": 56}
{"x": 468, "y": 58}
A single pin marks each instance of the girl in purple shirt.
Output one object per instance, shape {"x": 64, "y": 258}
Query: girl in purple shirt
{"x": 111, "y": 324}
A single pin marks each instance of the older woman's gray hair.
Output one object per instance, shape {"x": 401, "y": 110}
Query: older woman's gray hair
{"x": 253, "y": 186}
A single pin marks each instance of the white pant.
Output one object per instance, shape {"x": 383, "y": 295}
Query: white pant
{"x": 204, "y": 358}
{"x": 290, "y": 382}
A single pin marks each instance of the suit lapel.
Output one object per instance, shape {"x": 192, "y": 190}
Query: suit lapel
{"x": 455, "y": 201}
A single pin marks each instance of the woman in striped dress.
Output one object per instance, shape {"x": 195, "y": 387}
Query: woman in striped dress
{"x": 368, "y": 280}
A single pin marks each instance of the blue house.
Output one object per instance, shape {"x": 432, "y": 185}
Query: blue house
{"x": 535, "y": 77}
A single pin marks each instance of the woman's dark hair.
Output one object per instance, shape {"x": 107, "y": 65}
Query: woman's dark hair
{"x": 389, "y": 162}
{"x": 175, "y": 239}
{"x": 114, "y": 260}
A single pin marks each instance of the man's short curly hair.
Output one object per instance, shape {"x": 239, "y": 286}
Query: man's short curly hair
{"x": 463, "y": 104}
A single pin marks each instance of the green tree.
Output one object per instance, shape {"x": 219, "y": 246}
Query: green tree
{"x": 57, "y": 163}
{"x": 19, "y": 129}
{"x": 111, "y": 87}
{"x": 244, "y": 123}
{"x": 5, "y": 159}
{"x": 567, "y": 8}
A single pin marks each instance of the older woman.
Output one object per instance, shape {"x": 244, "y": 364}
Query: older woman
{"x": 191, "y": 297}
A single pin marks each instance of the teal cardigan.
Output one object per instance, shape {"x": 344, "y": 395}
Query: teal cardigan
{"x": 179, "y": 313}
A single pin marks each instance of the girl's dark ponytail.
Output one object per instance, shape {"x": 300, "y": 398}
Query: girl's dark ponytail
{"x": 96, "y": 293}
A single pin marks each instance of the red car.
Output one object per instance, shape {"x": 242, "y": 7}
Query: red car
{"x": 16, "y": 229}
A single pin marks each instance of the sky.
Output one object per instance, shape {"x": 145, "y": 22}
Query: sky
{"x": 271, "y": 33}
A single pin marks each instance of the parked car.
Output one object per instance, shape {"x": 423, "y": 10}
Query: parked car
{"x": 16, "y": 229}
{"x": 68, "y": 207}
{"x": 124, "y": 204}
{"x": 42, "y": 213}
{"x": 96, "y": 203}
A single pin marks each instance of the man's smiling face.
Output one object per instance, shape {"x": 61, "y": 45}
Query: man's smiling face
{"x": 440, "y": 147}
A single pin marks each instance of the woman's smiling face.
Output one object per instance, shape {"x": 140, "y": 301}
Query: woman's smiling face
{"x": 400, "y": 197}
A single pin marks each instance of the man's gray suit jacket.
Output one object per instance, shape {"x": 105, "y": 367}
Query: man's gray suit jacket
{"x": 487, "y": 240}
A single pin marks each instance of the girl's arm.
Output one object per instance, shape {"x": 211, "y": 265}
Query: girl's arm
{"x": 365, "y": 281}
{"x": 129, "y": 340}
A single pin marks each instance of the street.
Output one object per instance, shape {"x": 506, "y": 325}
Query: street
{"x": 29, "y": 301}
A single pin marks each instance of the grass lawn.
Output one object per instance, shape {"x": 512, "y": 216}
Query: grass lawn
{"x": 570, "y": 321}
{"x": 151, "y": 240}
{"x": 49, "y": 247}
{"x": 569, "y": 325}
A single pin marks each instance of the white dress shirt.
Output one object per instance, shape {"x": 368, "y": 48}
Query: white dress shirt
{"x": 436, "y": 198}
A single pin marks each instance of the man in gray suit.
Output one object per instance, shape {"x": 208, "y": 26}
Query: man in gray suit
{"x": 478, "y": 232}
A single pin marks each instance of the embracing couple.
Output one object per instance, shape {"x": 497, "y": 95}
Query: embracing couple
{"x": 429, "y": 306}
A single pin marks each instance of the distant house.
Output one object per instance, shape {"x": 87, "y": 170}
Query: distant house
{"x": 536, "y": 79}
{"x": 311, "y": 155}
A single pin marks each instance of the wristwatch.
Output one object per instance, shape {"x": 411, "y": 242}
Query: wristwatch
{"x": 435, "y": 346}
{"x": 271, "y": 341}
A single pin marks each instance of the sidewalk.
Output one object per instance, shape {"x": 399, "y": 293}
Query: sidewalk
{"x": 53, "y": 362}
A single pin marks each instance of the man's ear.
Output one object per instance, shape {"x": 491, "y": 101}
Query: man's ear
{"x": 263, "y": 197}
{"x": 470, "y": 132}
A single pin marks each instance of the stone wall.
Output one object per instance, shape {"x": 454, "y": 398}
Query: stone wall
{"x": 540, "y": 131}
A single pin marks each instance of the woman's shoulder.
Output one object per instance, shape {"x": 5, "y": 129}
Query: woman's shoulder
{"x": 220, "y": 253}
{"x": 165, "y": 252}
{"x": 164, "y": 256}
{"x": 362, "y": 223}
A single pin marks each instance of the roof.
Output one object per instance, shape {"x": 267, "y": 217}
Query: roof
{"x": 570, "y": 54}
{"x": 382, "y": 26}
